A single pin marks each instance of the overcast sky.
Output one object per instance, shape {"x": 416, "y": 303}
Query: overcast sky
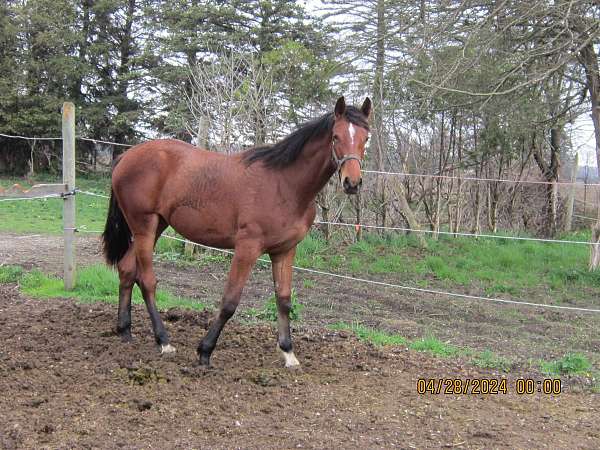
{"x": 583, "y": 140}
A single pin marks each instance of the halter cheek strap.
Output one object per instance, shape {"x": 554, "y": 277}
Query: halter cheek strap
{"x": 339, "y": 162}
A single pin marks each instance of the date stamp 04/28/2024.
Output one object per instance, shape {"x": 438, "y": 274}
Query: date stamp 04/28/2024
{"x": 495, "y": 386}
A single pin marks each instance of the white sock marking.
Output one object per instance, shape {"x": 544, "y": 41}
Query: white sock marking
{"x": 352, "y": 132}
{"x": 290, "y": 359}
{"x": 164, "y": 349}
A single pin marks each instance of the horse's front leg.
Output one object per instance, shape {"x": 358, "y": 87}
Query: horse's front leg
{"x": 282, "y": 278}
{"x": 246, "y": 254}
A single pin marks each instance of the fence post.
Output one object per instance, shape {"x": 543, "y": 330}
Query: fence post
{"x": 68, "y": 135}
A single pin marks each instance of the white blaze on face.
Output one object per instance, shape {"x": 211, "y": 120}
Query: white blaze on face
{"x": 352, "y": 132}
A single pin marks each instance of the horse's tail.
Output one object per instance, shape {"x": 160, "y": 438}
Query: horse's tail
{"x": 117, "y": 235}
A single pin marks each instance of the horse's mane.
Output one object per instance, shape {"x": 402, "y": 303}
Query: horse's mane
{"x": 286, "y": 151}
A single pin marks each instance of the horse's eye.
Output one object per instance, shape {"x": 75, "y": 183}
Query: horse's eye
{"x": 336, "y": 138}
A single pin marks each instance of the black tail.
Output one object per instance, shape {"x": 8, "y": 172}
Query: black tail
{"x": 117, "y": 235}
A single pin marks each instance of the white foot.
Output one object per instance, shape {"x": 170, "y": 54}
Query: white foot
{"x": 165, "y": 349}
{"x": 290, "y": 359}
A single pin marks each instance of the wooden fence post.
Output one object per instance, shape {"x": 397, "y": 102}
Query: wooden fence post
{"x": 68, "y": 135}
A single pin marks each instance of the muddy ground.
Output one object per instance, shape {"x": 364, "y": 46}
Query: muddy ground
{"x": 68, "y": 382}
{"x": 523, "y": 335}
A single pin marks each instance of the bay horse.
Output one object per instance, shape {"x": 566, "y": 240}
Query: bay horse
{"x": 258, "y": 201}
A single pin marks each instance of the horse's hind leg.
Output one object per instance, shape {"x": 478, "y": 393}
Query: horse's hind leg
{"x": 127, "y": 268}
{"x": 282, "y": 279}
{"x": 143, "y": 245}
{"x": 127, "y": 275}
{"x": 244, "y": 258}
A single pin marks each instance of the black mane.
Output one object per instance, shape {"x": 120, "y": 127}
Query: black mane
{"x": 286, "y": 151}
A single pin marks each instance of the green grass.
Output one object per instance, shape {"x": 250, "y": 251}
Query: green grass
{"x": 570, "y": 364}
{"x": 308, "y": 284}
{"x": 485, "y": 359}
{"x": 45, "y": 215}
{"x": 489, "y": 360}
{"x": 269, "y": 309}
{"x": 94, "y": 284}
{"x": 10, "y": 274}
{"x": 370, "y": 334}
{"x": 497, "y": 267}
{"x": 435, "y": 347}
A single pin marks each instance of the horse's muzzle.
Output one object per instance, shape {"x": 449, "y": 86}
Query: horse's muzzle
{"x": 350, "y": 187}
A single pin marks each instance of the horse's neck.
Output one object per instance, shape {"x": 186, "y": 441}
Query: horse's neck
{"x": 313, "y": 168}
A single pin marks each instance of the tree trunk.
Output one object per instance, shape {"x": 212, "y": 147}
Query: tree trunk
{"x": 595, "y": 247}
{"x": 571, "y": 200}
{"x": 550, "y": 173}
{"x": 408, "y": 214}
{"x": 378, "y": 97}
{"x": 126, "y": 50}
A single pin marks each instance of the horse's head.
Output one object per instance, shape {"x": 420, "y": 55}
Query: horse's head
{"x": 350, "y": 134}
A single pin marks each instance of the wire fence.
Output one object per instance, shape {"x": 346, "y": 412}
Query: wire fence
{"x": 377, "y": 172}
{"x": 497, "y": 180}
{"x": 27, "y": 138}
{"x": 95, "y": 141}
{"x": 393, "y": 285}
{"x": 456, "y": 233}
{"x": 376, "y": 227}
{"x": 365, "y": 280}
{"x": 13, "y": 199}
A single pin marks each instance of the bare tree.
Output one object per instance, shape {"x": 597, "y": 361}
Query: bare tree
{"x": 229, "y": 99}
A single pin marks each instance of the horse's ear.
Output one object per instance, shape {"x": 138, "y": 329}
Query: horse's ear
{"x": 366, "y": 107}
{"x": 340, "y": 107}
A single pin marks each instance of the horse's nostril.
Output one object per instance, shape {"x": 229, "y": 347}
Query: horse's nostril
{"x": 360, "y": 182}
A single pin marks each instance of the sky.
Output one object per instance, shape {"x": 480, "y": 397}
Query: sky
{"x": 583, "y": 140}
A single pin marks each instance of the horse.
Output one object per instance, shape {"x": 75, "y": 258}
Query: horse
{"x": 258, "y": 201}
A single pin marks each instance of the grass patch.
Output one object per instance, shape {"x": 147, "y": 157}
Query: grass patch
{"x": 434, "y": 346}
{"x": 371, "y": 335}
{"x": 485, "y": 360}
{"x": 269, "y": 310}
{"x": 488, "y": 360}
{"x": 45, "y": 215}
{"x": 308, "y": 284}
{"x": 96, "y": 284}
{"x": 570, "y": 364}
{"x": 10, "y": 274}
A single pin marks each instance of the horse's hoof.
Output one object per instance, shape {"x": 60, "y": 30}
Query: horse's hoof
{"x": 204, "y": 361}
{"x": 165, "y": 349}
{"x": 126, "y": 337}
{"x": 291, "y": 362}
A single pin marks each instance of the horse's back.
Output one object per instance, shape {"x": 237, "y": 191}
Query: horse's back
{"x": 190, "y": 188}
{"x": 155, "y": 164}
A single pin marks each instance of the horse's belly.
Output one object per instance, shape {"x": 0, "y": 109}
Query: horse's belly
{"x": 206, "y": 227}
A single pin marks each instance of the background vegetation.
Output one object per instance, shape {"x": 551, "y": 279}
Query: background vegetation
{"x": 486, "y": 89}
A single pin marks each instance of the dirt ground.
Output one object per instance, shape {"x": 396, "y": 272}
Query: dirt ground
{"x": 521, "y": 334}
{"x": 68, "y": 382}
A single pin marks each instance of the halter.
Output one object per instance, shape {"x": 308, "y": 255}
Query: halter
{"x": 339, "y": 162}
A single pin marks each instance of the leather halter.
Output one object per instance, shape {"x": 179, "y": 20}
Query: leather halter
{"x": 339, "y": 162}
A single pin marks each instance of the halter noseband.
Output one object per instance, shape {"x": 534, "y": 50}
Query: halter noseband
{"x": 339, "y": 162}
